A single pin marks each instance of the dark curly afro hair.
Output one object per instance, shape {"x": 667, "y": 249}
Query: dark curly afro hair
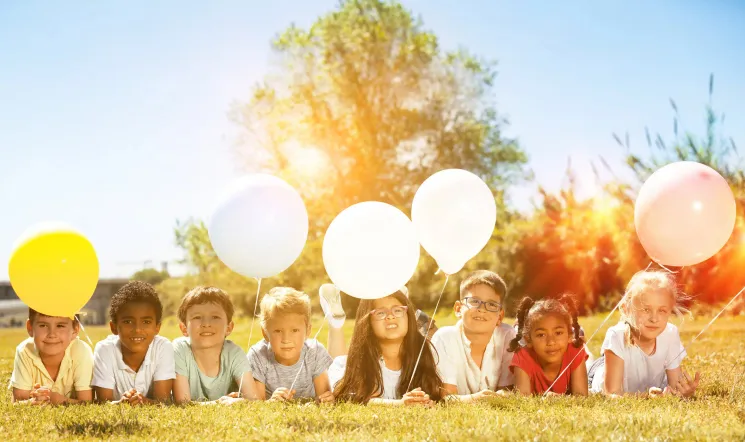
{"x": 135, "y": 291}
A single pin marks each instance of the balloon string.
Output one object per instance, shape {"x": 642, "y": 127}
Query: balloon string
{"x": 710, "y": 322}
{"x": 429, "y": 325}
{"x": 80, "y": 322}
{"x": 315, "y": 338}
{"x": 251, "y": 330}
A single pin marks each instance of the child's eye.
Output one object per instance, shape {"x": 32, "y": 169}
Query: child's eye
{"x": 42, "y": 325}
{"x": 147, "y": 321}
{"x": 215, "y": 317}
{"x": 295, "y": 330}
{"x": 559, "y": 333}
{"x": 127, "y": 321}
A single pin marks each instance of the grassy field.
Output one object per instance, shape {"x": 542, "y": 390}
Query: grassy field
{"x": 718, "y": 411}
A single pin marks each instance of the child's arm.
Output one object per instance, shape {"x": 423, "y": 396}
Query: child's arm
{"x": 82, "y": 397}
{"x": 161, "y": 391}
{"x": 613, "y": 373}
{"x": 181, "y": 392}
{"x": 451, "y": 394}
{"x": 680, "y": 383}
{"x": 36, "y": 396}
{"x": 414, "y": 397}
{"x": 323, "y": 388}
{"x": 260, "y": 389}
{"x": 522, "y": 381}
{"x": 248, "y": 387}
{"x": 579, "y": 380}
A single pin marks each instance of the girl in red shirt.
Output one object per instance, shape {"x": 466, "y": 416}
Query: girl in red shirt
{"x": 552, "y": 343}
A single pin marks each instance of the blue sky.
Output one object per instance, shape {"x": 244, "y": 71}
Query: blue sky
{"x": 113, "y": 115}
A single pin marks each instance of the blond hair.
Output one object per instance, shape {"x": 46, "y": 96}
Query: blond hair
{"x": 284, "y": 301}
{"x": 641, "y": 283}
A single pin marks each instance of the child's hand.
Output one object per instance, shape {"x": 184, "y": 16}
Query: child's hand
{"x": 234, "y": 394}
{"x": 229, "y": 399}
{"x": 326, "y": 397}
{"x": 657, "y": 392}
{"x": 686, "y": 387}
{"x": 416, "y": 397}
{"x": 551, "y": 394}
{"x": 503, "y": 393}
{"x": 39, "y": 395}
{"x": 133, "y": 397}
{"x": 483, "y": 394}
{"x": 282, "y": 394}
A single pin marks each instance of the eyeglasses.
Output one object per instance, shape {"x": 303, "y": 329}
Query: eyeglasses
{"x": 381, "y": 313}
{"x": 476, "y": 303}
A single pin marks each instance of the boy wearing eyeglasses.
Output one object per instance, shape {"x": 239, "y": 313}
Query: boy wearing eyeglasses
{"x": 286, "y": 364}
{"x": 473, "y": 354}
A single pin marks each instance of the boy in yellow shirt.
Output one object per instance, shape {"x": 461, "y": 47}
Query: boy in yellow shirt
{"x": 52, "y": 365}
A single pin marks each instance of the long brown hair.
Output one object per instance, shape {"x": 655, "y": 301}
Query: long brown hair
{"x": 363, "y": 378}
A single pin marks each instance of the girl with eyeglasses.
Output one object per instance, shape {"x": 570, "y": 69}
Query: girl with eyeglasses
{"x": 382, "y": 353}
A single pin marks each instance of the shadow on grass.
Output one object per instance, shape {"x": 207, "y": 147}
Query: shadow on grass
{"x": 100, "y": 428}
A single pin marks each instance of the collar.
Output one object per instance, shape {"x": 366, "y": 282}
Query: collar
{"x": 121, "y": 365}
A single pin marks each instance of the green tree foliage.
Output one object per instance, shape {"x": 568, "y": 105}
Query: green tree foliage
{"x": 365, "y": 105}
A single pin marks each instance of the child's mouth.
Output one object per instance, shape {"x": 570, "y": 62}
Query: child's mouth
{"x": 206, "y": 334}
{"x": 391, "y": 326}
{"x": 137, "y": 340}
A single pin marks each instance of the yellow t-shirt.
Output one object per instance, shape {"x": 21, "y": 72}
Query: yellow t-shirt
{"x": 75, "y": 372}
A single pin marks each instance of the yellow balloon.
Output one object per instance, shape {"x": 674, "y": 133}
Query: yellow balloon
{"x": 54, "y": 270}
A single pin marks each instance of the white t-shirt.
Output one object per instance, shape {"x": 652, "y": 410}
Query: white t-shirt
{"x": 110, "y": 371}
{"x": 457, "y": 367}
{"x": 641, "y": 371}
{"x": 390, "y": 377}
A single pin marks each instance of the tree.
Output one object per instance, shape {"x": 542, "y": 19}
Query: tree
{"x": 364, "y": 105}
{"x": 151, "y": 276}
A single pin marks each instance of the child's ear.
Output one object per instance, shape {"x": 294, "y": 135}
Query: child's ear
{"x": 501, "y": 316}
{"x": 183, "y": 329}
{"x": 229, "y": 330}
{"x": 30, "y": 328}
{"x": 307, "y": 332}
{"x": 75, "y": 328}
{"x": 157, "y": 327}
{"x": 457, "y": 308}
{"x": 112, "y": 326}
{"x": 263, "y": 333}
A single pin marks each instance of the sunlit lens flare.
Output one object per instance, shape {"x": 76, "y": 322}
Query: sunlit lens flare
{"x": 306, "y": 163}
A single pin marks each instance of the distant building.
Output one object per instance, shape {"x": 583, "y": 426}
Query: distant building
{"x": 14, "y": 313}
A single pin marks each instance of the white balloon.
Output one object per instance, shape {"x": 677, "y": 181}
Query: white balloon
{"x": 260, "y": 226}
{"x": 370, "y": 250}
{"x": 454, "y": 213}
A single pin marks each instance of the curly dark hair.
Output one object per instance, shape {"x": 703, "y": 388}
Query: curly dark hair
{"x": 530, "y": 310}
{"x": 135, "y": 291}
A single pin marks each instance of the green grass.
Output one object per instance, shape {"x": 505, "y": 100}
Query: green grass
{"x": 718, "y": 411}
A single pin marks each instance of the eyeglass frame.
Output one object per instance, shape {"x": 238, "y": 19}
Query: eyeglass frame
{"x": 465, "y": 301}
{"x": 388, "y": 311}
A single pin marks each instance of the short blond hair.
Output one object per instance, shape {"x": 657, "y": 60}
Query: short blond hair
{"x": 284, "y": 301}
{"x": 641, "y": 283}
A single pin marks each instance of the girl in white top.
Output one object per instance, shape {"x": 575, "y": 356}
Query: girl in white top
{"x": 643, "y": 353}
{"x": 382, "y": 354}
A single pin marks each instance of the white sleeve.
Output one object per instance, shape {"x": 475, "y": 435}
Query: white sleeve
{"x": 336, "y": 370}
{"x": 506, "y": 377}
{"x": 165, "y": 367}
{"x": 675, "y": 350}
{"x": 615, "y": 341}
{"x": 104, "y": 364}
{"x": 445, "y": 364}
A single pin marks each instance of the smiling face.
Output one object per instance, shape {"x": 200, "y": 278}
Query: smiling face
{"x": 391, "y": 328}
{"x": 480, "y": 320}
{"x": 52, "y": 334}
{"x": 549, "y": 338}
{"x": 286, "y": 334}
{"x": 136, "y": 325}
{"x": 651, "y": 311}
{"x": 206, "y": 325}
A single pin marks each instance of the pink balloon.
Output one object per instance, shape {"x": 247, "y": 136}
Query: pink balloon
{"x": 684, "y": 214}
